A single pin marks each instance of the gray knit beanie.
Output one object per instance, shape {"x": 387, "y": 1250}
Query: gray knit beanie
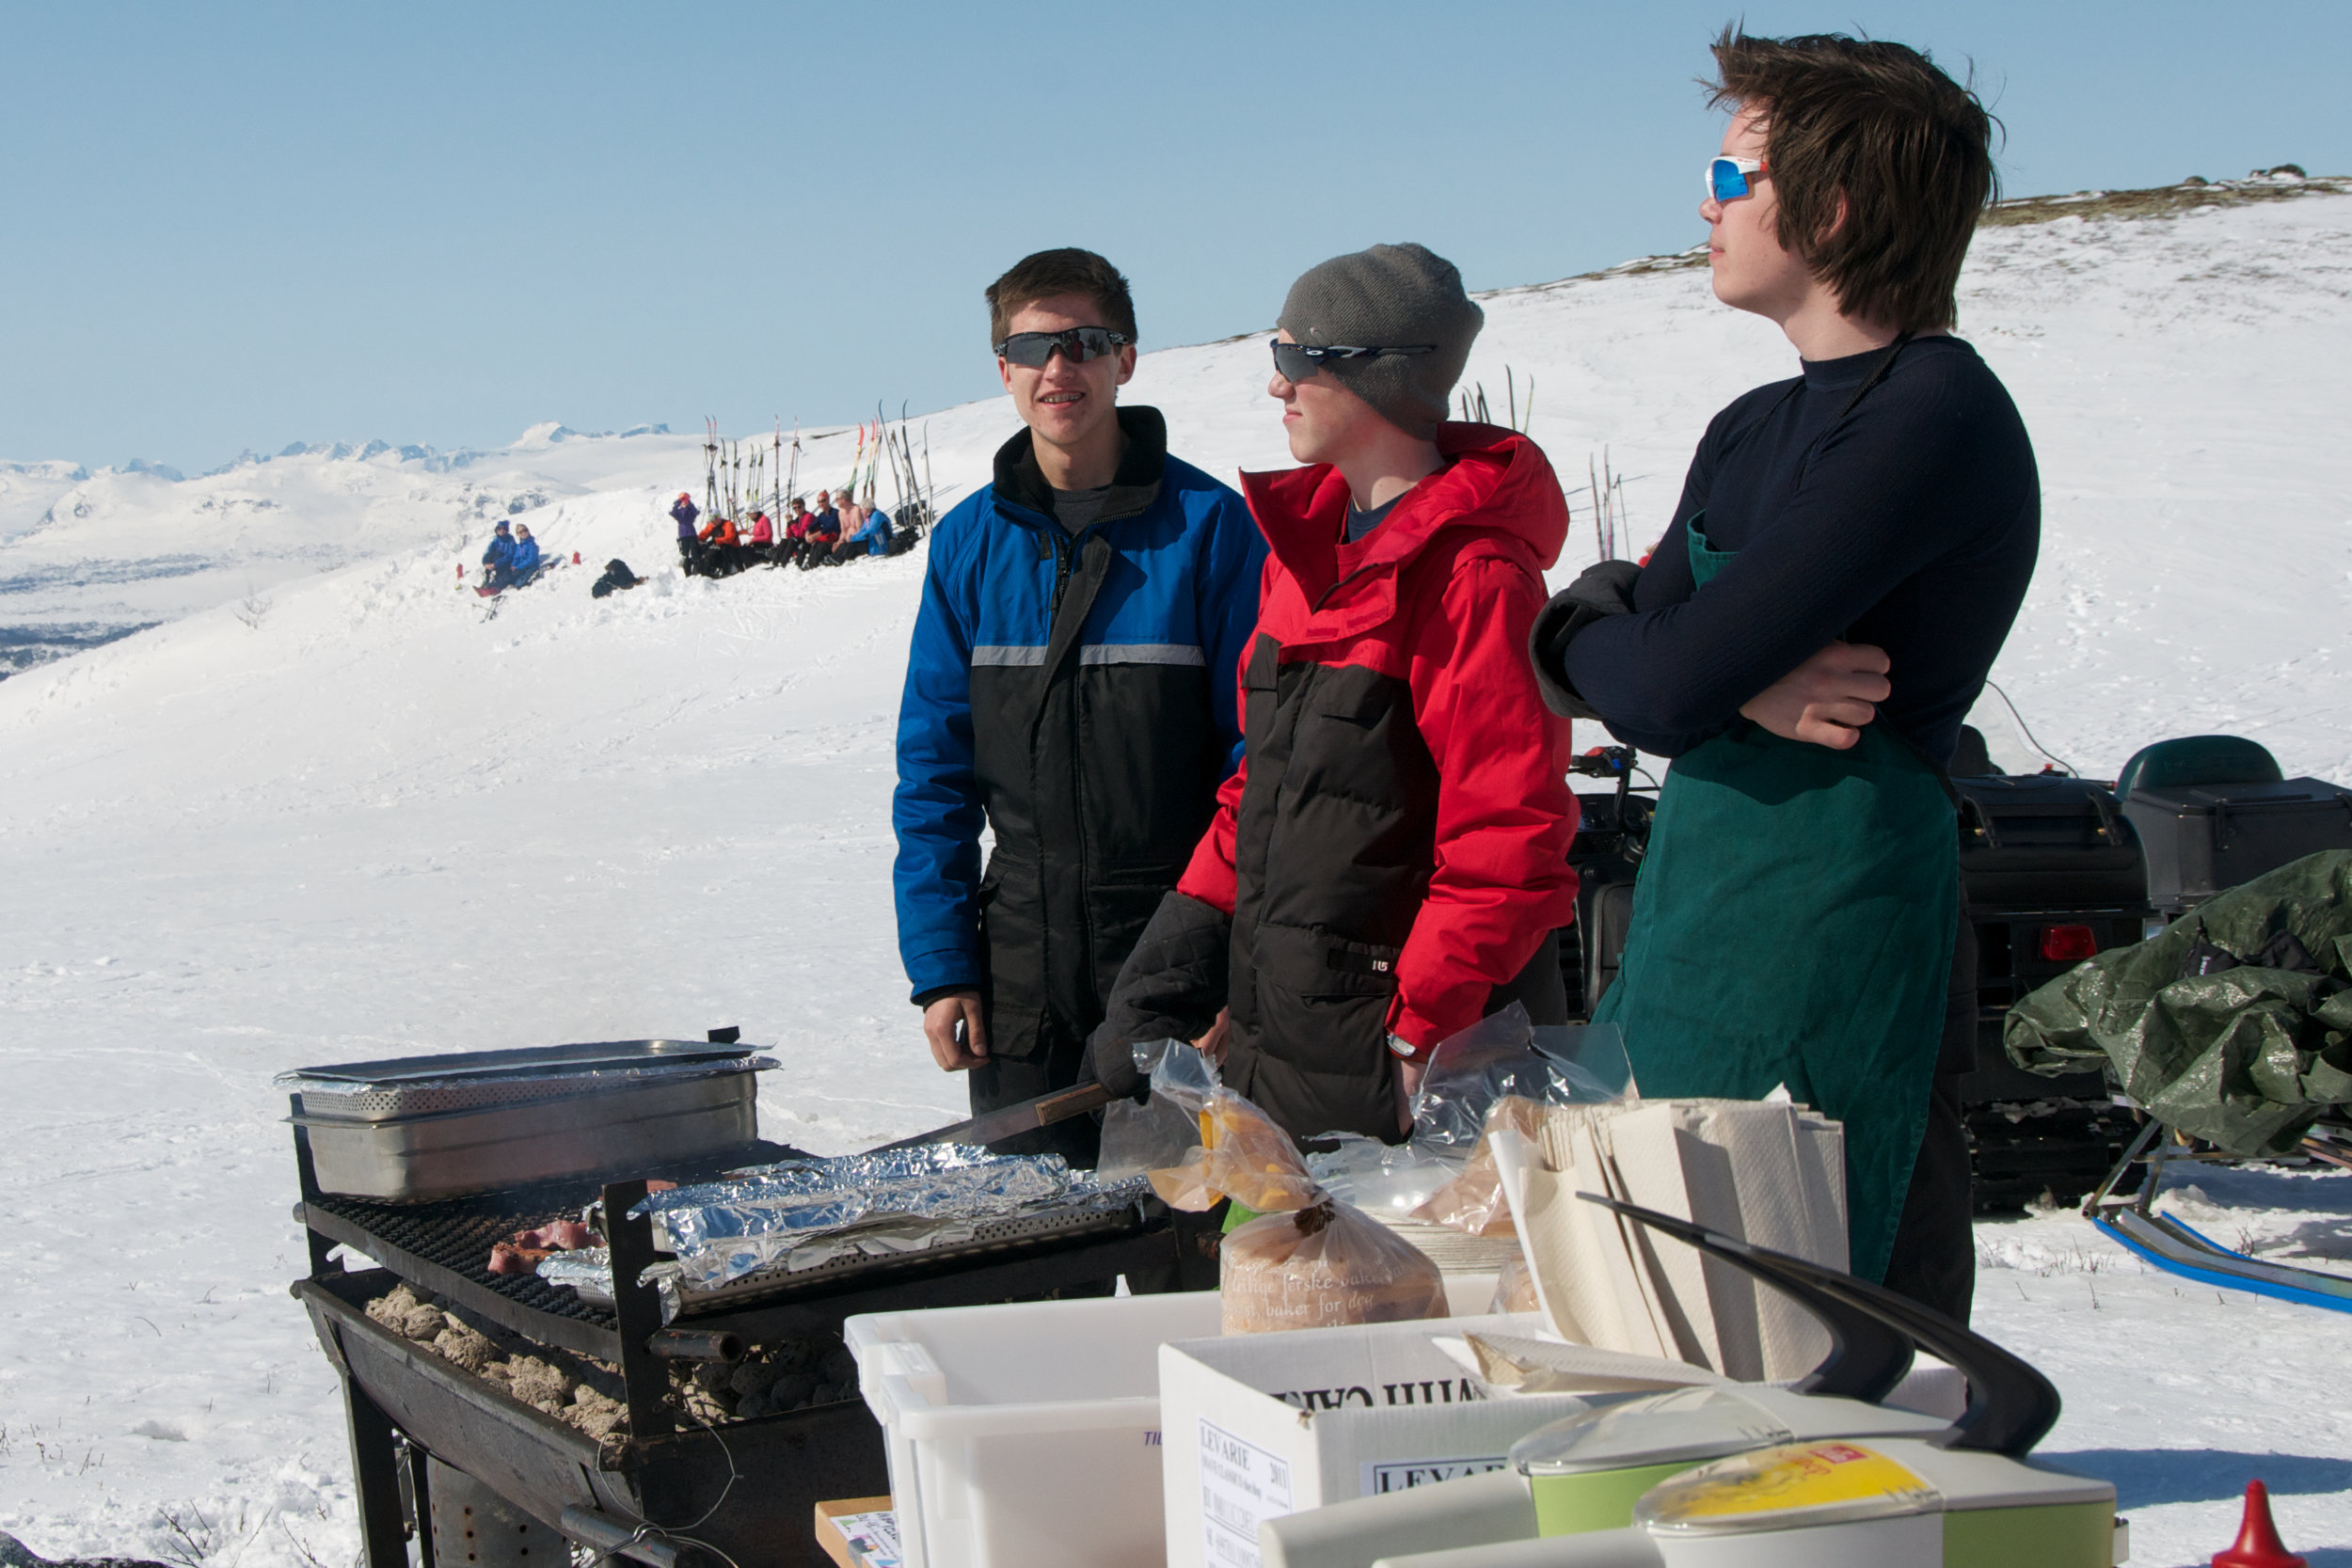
{"x": 1390, "y": 296}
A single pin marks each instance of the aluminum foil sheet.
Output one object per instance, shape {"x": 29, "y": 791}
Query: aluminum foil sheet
{"x": 802, "y": 1213}
{"x": 589, "y": 1271}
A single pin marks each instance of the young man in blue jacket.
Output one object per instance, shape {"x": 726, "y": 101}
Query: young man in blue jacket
{"x": 497, "y": 557}
{"x": 1071, "y": 686}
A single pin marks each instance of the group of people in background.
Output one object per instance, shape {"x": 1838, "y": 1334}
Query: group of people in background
{"x": 511, "y": 558}
{"x": 838, "y": 529}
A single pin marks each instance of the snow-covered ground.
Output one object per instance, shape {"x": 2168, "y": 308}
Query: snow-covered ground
{"x": 370, "y": 817}
{"x": 89, "y": 557}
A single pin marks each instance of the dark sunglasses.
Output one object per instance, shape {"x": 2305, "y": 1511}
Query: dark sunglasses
{"x": 1297, "y": 361}
{"x": 1079, "y": 344}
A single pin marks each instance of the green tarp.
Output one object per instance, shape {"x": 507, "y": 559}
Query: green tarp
{"x": 2246, "y": 1057}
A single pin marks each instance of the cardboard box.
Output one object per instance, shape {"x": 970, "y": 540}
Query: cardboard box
{"x": 859, "y": 1532}
{"x": 1260, "y": 1425}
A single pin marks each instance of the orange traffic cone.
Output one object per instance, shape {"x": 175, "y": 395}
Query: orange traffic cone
{"x": 2258, "y": 1544}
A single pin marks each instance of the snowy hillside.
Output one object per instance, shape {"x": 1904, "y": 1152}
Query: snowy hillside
{"x": 370, "y": 818}
{"x": 88, "y": 557}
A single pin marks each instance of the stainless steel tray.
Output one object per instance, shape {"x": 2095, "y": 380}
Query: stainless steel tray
{"x": 653, "y": 1121}
{"x": 415, "y": 1086}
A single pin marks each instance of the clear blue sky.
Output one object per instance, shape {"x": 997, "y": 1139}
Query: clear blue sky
{"x": 248, "y": 225}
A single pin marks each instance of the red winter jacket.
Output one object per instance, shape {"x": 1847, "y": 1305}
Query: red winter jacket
{"x": 1395, "y": 844}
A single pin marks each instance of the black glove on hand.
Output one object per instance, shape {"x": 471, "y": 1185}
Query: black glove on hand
{"x": 1110, "y": 1062}
{"x": 1604, "y": 589}
{"x": 1172, "y": 987}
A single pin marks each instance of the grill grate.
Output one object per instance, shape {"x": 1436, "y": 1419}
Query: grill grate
{"x": 457, "y": 1234}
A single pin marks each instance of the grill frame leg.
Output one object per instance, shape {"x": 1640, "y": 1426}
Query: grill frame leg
{"x": 375, "y": 1480}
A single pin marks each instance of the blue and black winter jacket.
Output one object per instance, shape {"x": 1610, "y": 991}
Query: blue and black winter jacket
{"x": 499, "y": 553}
{"x": 1076, "y": 695}
{"x": 525, "y": 558}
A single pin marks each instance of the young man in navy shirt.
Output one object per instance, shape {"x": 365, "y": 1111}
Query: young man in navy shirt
{"x": 1851, "y": 549}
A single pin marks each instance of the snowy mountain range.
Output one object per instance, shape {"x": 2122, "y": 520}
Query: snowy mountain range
{"x": 329, "y": 807}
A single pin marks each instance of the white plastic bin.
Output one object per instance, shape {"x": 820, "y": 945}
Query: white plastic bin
{"x": 1025, "y": 1435}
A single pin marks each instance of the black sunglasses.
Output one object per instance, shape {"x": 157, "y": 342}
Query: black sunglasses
{"x": 1079, "y": 344}
{"x": 1297, "y": 361}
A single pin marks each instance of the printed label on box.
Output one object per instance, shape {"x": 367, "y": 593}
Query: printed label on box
{"x": 1378, "y": 1476}
{"x": 1373, "y": 1396}
{"x": 1241, "y": 1483}
{"x": 873, "y": 1538}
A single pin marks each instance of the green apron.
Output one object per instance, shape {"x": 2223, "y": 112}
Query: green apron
{"x": 1792, "y": 923}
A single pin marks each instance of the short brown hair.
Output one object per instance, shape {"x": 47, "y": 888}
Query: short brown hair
{"x": 1910, "y": 148}
{"x": 1067, "y": 271}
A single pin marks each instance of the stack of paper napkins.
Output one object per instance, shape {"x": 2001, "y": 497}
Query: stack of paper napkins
{"x": 1770, "y": 1174}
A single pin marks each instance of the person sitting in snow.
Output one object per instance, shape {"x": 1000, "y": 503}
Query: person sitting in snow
{"x": 524, "y": 564}
{"x": 689, "y": 543}
{"x": 719, "y": 539}
{"x": 872, "y": 537}
{"x": 763, "y": 532}
{"x": 795, "y": 527}
{"x": 824, "y": 533}
{"x": 498, "y": 558}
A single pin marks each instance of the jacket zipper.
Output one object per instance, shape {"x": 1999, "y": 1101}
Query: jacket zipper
{"x": 1064, "y": 549}
{"x": 1061, "y": 582}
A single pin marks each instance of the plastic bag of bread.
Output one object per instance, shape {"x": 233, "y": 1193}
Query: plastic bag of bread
{"x": 1242, "y": 1156}
{"x": 1323, "y": 1264}
{"x": 1306, "y": 1260}
{"x": 1473, "y": 1200}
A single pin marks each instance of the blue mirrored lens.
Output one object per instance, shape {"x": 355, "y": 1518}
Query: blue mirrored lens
{"x": 1725, "y": 180}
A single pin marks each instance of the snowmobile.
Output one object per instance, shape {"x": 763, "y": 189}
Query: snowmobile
{"x": 2055, "y": 869}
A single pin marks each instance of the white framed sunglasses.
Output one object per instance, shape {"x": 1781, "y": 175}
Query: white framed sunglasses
{"x": 1728, "y": 178}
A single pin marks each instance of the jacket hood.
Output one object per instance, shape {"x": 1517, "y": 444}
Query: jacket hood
{"x": 1495, "y": 480}
{"x": 1020, "y": 480}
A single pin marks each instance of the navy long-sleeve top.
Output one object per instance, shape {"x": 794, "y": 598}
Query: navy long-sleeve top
{"x": 1913, "y": 526}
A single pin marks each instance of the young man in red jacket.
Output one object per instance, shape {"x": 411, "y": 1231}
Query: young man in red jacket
{"x": 1389, "y": 864}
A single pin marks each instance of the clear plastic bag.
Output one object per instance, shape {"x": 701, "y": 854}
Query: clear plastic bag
{"x": 1167, "y": 1127}
{"x": 1473, "y": 1200}
{"x": 1323, "y": 1264}
{"x": 1515, "y": 1288}
{"x": 1244, "y": 1156}
{"x": 1380, "y": 1177}
{"x": 1505, "y": 1055}
{"x": 1307, "y": 1261}
{"x": 1467, "y": 1072}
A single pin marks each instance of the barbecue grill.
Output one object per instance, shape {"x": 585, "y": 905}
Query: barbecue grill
{"x": 667, "y": 1492}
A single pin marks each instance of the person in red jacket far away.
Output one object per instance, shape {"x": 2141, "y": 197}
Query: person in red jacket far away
{"x": 1389, "y": 862}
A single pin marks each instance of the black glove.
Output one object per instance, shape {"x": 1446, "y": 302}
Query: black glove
{"x": 1171, "y": 987}
{"x": 1110, "y": 1062}
{"x": 1604, "y": 589}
